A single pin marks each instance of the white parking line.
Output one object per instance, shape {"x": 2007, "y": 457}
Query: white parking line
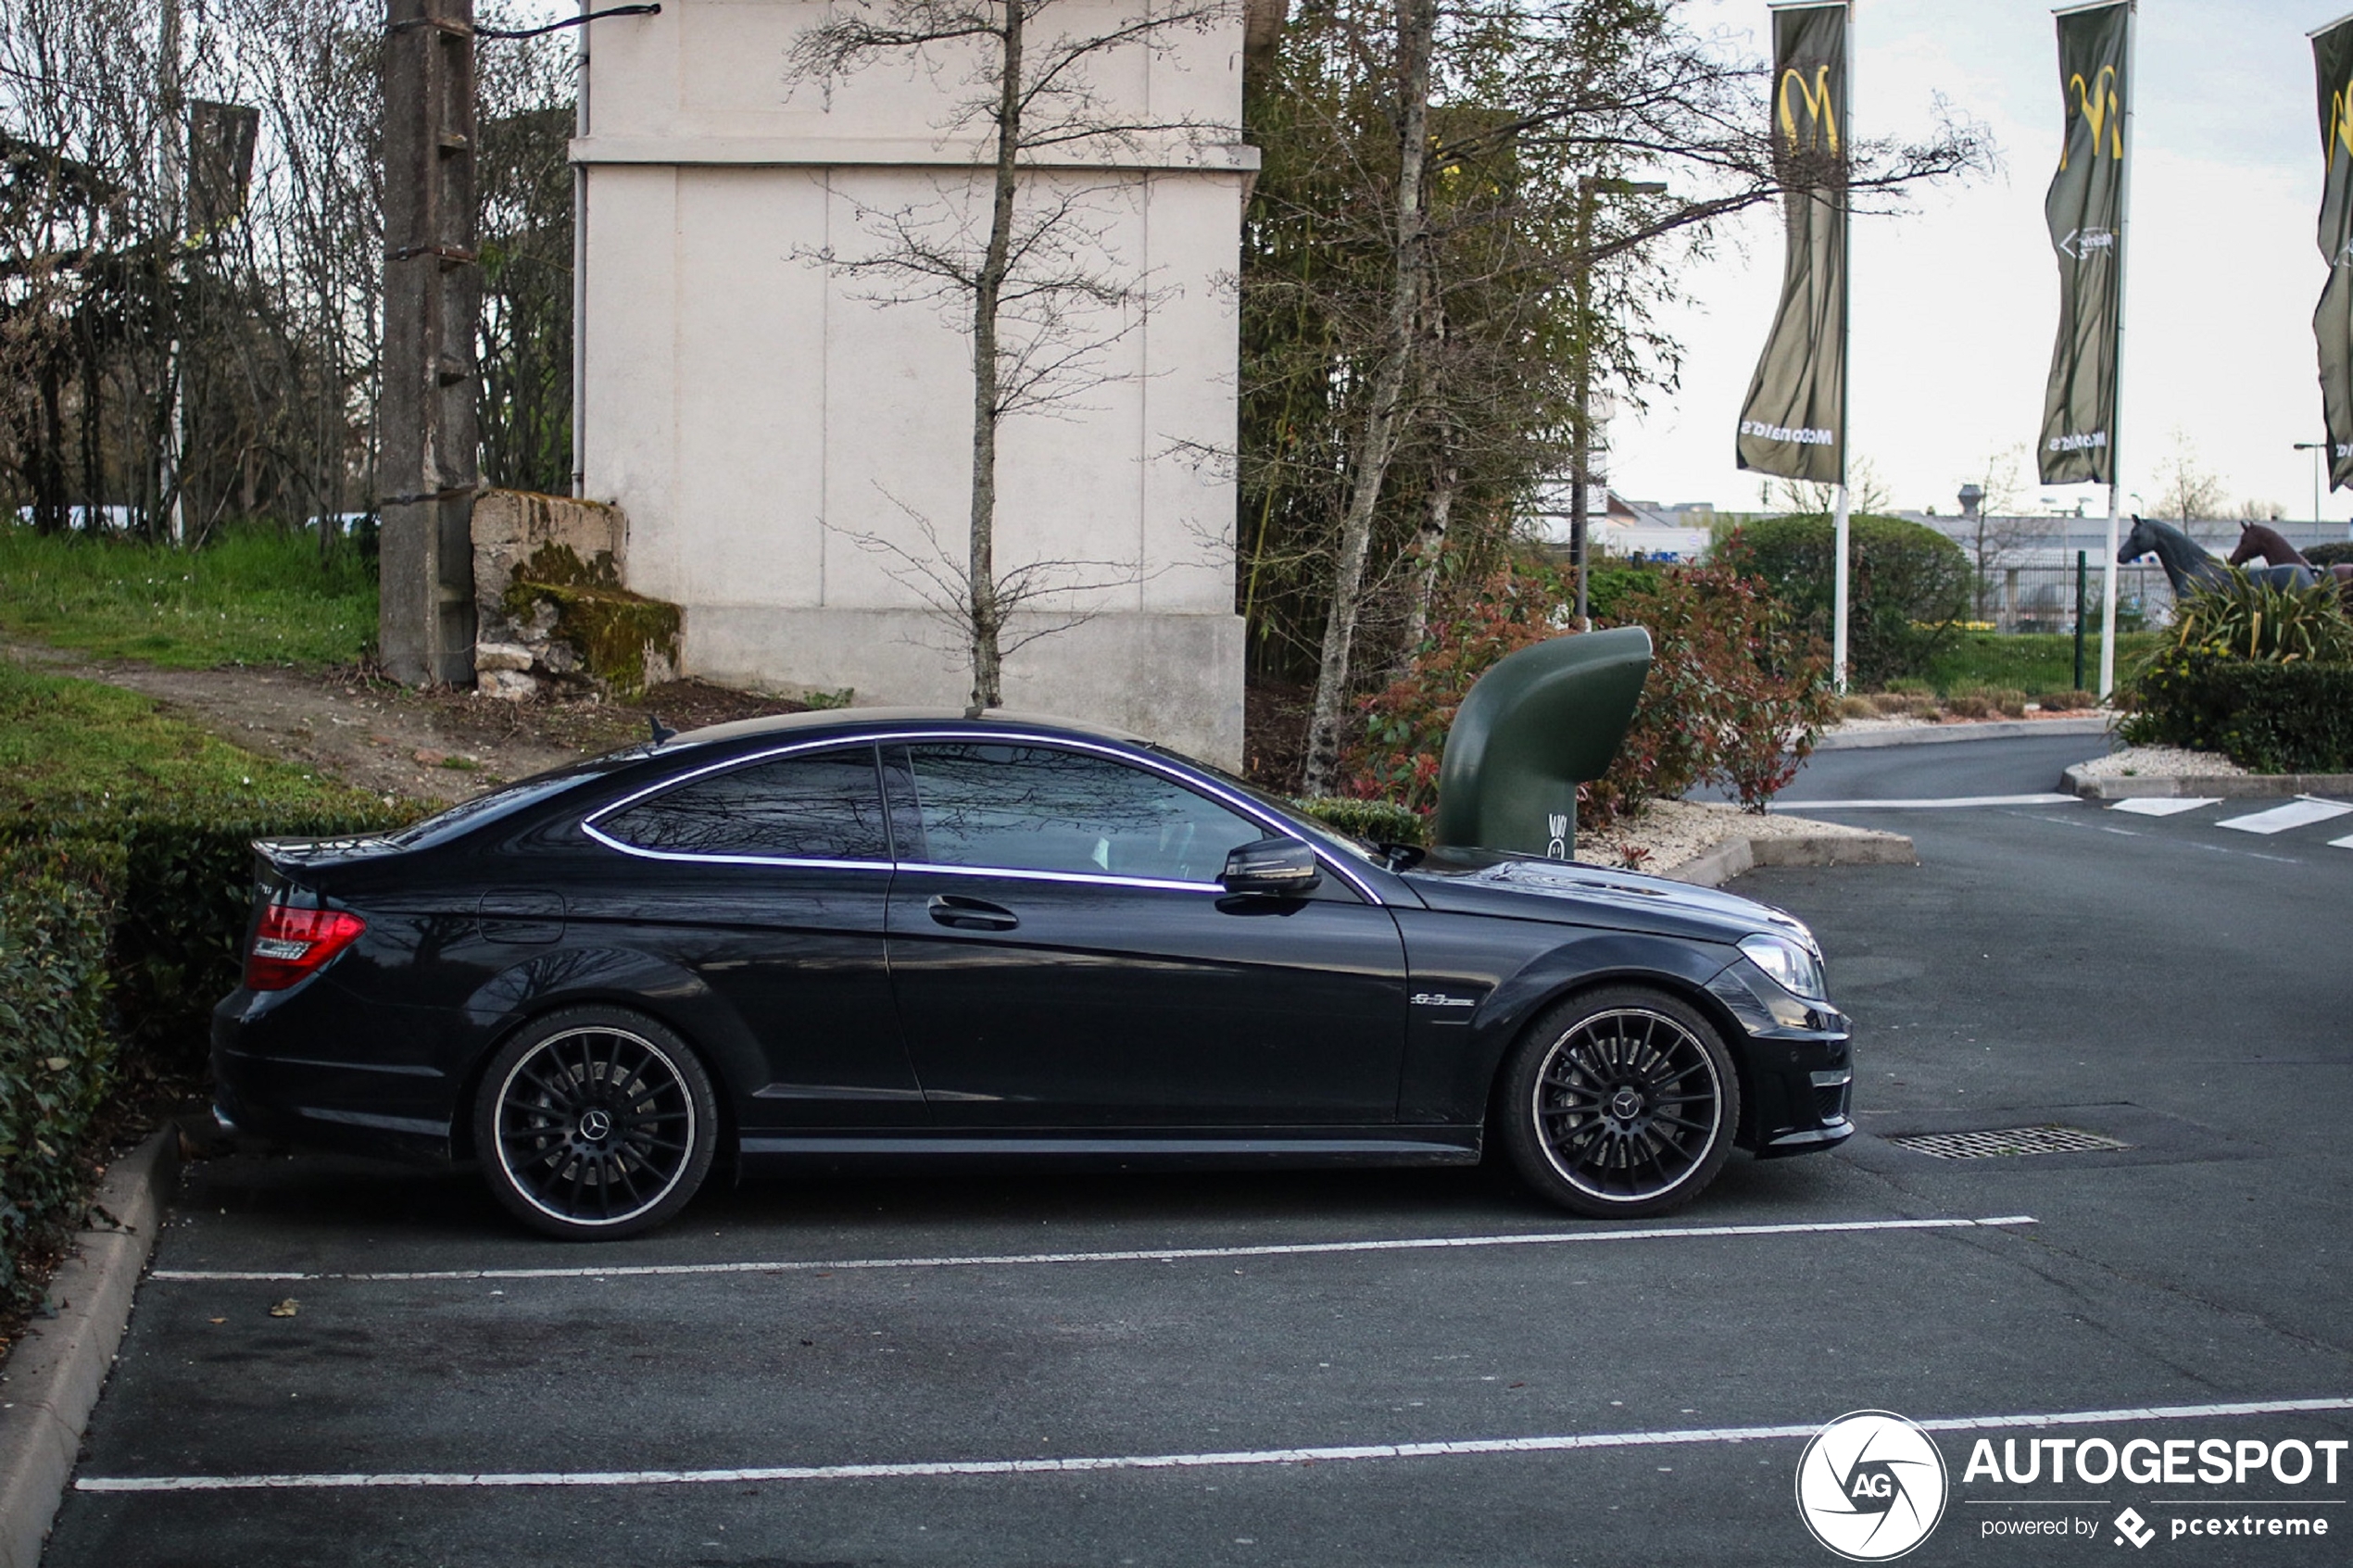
{"x": 2165, "y": 805}
{"x": 414, "y": 1479}
{"x": 1152, "y": 1255}
{"x": 2301, "y": 812}
{"x": 1799, "y": 808}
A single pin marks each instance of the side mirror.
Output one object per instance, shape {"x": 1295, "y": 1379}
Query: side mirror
{"x": 1272, "y": 865}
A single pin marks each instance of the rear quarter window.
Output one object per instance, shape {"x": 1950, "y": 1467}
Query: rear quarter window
{"x": 822, "y": 805}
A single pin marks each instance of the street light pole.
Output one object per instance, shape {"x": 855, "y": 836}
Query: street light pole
{"x": 1582, "y": 440}
{"x": 2316, "y": 448}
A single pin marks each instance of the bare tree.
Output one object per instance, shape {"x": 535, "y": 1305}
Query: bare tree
{"x": 1036, "y": 285}
{"x": 1997, "y": 530}
{"x": 1589, "y": 92}
{"x": 2186, "y": 489}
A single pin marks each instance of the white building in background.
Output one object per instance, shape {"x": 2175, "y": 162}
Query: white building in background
{"x": 790, "y": 452}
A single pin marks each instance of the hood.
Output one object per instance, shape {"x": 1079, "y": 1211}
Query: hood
{"x": 1572, "y": 893}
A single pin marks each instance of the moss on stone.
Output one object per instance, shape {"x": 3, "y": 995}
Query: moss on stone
{"x": 611, "y": 629}
{"x": 560, "y": 565}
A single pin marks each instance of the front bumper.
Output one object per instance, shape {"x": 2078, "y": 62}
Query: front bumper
{"x": 1797, "y": 1066}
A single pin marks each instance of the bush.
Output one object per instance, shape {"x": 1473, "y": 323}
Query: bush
{"x": 2275, "y": 718}
{"x": 186, "y": 890}
{"x": 2337, "y": 552}
{"x": 2243, "y": 617}
{"x": 1735, "y": 694}
{"x": 1376, "y": 821}
{"x": 56, "y": 1053}
{"x": 1908, "y": 588}
{"x": 1985, "y": 702}
{"x": 2067, "y": 702}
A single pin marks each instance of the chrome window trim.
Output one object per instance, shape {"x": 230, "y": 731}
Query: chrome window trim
{"x": 1102, "y": 878}
{"x": 642, "y": 853}
{"x": 1241, "y": 805}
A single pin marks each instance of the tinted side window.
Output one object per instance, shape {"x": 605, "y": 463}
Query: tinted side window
{"x": 1031, "y": 808}
{"x": 826, "y": 806}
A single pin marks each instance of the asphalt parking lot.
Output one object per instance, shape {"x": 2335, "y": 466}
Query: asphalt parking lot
{"x": 1361, "y": 1368}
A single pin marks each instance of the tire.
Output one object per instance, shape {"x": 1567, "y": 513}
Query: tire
{"x": 1619, "y": 1103}
{"x": 594, "y": 1124}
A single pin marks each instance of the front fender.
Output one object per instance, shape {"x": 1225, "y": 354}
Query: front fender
{"x": 1516, "y": 969}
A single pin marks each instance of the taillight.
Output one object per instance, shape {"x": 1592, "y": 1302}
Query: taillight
{"x": 292, "y": 945}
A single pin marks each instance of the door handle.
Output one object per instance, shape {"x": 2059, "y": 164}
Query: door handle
{"x": 971, "y": 914}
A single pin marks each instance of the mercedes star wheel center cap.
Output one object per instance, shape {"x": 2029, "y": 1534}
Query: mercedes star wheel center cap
{"x": 596, "y": 1127}
{"x": 1625, "y": 1104}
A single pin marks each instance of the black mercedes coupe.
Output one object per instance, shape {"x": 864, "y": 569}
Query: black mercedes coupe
{"x": 890, "y": 934}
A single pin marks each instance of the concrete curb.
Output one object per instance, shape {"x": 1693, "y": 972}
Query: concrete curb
{"x": 56, "y": 1370}
{"x": 1714, "y": 868}
{"x": 2221, "y": 786}
{"x": 1988, "y": 729}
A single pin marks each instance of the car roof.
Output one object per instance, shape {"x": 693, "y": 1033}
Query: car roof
{"x": 850, "y": 720}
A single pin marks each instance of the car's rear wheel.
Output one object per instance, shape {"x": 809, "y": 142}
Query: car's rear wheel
{"x": 1619, "y": 1103}
{"x": 594, "y": 1124}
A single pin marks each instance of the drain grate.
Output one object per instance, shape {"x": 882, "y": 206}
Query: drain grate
{"x": 2050, "y": 1139}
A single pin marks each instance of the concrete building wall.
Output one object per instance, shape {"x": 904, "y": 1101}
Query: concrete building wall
{"x": 793, "y": 452}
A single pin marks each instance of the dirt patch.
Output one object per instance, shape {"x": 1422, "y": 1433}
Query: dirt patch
{"x": 434, "y": 746}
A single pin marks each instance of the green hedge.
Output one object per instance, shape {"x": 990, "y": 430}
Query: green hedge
{"x": 2294, "y": 718}
{"x": 185, "y": 894}
{"x": 56, "y": 1053}
{"x": 2337, "y": 551}
{"x": 1907, "y": 590}
{"x": 1379, "y": 820}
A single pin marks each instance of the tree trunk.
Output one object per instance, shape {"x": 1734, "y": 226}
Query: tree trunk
{"x": 1431, "y": 547}
{"x": 1384, "y": 418}
{"x": 985, "y": 618}
{"x": 49, "y": 460}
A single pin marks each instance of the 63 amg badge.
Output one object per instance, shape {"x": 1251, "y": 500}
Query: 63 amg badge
{"x": 1870, "y": 1485}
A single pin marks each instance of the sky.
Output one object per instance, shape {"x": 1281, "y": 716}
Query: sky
{"x": 1955, "y": 302}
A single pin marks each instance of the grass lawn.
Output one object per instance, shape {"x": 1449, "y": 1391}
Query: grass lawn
{"x": 64, "y": 740}
{"x": 2027, "y": 662}
{"x": 251, "y": 596}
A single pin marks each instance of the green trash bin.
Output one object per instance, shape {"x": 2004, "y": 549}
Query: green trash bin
{"x": 1541, "y": 723}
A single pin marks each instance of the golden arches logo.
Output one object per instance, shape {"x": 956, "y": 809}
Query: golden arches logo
{"x": 2340, "y": 122}
{"x": 1821, "y": 110}
{"x": 2098, "y": 102}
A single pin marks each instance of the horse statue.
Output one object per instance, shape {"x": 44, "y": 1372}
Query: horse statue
{"x": 2255, "y": 539}
{"x": 2190, "y": 567}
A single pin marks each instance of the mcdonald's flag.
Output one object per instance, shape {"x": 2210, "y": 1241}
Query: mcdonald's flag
{"x": 1794, "y": 423}
{"x": 2332, "y": 323}
{"x": 2085, "y": 210}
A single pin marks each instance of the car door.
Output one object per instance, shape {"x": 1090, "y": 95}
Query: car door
{"x": 1062, "y": 954}
{"x": 770, "y": 880}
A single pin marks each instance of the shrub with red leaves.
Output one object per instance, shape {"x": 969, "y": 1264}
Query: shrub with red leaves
{"x": 1737, "y": 693}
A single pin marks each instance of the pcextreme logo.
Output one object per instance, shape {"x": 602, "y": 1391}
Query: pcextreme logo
{"x": 1870, "y": 1485}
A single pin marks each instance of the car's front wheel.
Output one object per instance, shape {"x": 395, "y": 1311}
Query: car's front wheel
{"x": 1619, "y": 1103}
{"x": 594, "y": 1124}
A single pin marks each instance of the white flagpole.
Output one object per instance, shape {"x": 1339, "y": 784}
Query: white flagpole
{"x": 2116, "y": 414}
{"x": 1846, "y": 268}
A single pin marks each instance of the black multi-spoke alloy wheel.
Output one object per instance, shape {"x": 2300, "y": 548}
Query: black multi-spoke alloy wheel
{"x": 1619, "y": 1103}
{"x": 595, "y": 1122}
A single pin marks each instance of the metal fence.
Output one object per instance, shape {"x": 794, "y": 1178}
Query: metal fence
{"x": 2040, "y": 596}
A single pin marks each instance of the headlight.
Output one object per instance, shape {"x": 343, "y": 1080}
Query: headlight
{"x": 1795, "y": 969}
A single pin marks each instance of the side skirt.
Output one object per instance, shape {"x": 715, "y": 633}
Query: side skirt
{"x": 1252, "y": 1148}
